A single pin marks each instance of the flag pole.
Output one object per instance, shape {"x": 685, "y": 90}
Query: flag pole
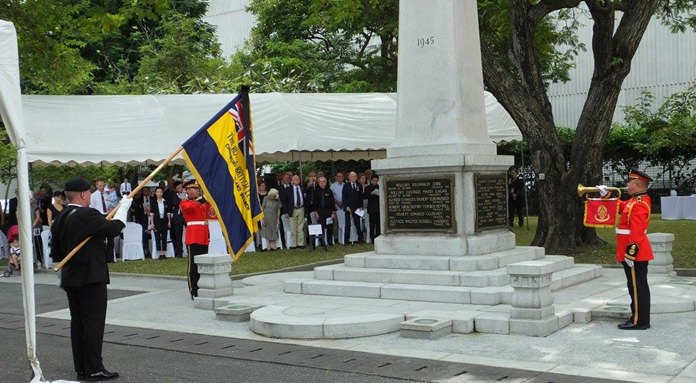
{"x": 111, "y": 214}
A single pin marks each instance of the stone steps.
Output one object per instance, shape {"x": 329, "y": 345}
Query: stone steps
{"x": 480, "y": 278}
{"x": 494, "y": 261}
{"x": 489, "y": 295}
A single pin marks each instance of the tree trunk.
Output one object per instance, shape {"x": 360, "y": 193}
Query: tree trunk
{"x": 523, "y": 94}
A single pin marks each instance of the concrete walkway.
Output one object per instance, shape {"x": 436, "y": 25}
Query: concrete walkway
{"x": 665, "y": 353}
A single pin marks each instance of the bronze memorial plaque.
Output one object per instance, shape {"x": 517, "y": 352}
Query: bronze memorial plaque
{"x": 491, "y": 201}
{"x": 420, "y": 204}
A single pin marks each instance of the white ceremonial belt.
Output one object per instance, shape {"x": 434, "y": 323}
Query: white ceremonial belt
{"x": 197, "y": 223}
{"x": 623, "y": 231}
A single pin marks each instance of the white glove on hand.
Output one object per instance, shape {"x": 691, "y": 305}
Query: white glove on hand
{"x": 122, "y": 210}
{"x": 603, "y": 190}
{"x": 628, "y": 262}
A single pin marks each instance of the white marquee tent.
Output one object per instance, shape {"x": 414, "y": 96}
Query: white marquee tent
{"x": 287, "y": 126}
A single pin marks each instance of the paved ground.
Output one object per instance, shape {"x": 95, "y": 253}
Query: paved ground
{"x": 148, "y": 315}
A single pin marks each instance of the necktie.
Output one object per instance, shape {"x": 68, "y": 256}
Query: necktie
{"x": 103, "y": 201}
{"x": 298, "y": 200}
{"x": 354, "y": 188}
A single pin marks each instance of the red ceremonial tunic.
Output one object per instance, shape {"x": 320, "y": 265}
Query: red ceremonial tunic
{"x": 633, "y": 227}
{"x": 196, "y": 217}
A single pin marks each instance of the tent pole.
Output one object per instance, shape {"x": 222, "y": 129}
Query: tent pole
{"x": 113, "y": 212}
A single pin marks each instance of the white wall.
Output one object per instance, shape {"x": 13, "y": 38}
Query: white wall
{"x": 232, "y": 21}
{"x": 664, "y": 64}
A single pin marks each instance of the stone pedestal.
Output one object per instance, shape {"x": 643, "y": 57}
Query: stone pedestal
{"x": 661, "y": 244}
{"x": 215, "y": 279}
{"x": 532, "y": 310}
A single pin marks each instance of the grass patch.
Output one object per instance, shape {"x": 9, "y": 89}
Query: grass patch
{"x": 683, "y": 247}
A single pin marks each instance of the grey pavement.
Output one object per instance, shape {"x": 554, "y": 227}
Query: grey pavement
{"x": 588, "y": 352}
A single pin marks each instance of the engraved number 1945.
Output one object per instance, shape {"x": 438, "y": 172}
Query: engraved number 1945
{"x": 424, "y": 41}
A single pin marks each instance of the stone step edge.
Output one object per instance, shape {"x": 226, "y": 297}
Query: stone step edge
{"x": 272, "y": 322}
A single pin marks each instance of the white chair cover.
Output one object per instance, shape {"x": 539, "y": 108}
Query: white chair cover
{"x": 46, "y": 241}
{"x": 217, "y": 240}
{"x": 132, "y": 244}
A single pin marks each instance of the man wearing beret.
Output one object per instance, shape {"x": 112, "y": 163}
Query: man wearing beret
{"x": 195, "y": 211}
{"x": 85, "y": 276}
{"x": 633, "y": 248}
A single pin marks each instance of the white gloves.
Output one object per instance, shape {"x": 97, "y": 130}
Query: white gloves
{"x": 122, "y": 210}
{"x": 603, "y": 190}
{"x": 628, "y": 262}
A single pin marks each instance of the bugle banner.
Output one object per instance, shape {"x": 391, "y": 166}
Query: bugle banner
{"x": 601, "y": 212}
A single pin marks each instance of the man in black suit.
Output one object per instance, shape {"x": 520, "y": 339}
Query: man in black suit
{"x": 352, "y": 201}
{"x": 294, "y": 201}
{"x": 177, "y": 230}
{"x": 283, "y": 189}
{"x": 141, "y": 215}
{"x": 85, "y": 276}
{"x": 372, "y": 195}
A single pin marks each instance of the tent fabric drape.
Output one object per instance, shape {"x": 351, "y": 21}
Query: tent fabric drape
{"x": 288, "y": 126}
{"x": 12, "y": 117}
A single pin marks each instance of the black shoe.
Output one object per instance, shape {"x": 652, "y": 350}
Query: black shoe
{"x": 80, "y": 376}
{"x": 631, "y": 326}
{"x": 101, "y": 375}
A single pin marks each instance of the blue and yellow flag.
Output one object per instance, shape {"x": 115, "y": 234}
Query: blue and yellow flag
{"x": 221, "y": 156}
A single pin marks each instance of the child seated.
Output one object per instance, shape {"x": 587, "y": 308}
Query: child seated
{"x": 14, "y": 251}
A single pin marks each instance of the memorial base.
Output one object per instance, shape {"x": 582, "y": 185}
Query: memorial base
{"x": 452, "y": 205}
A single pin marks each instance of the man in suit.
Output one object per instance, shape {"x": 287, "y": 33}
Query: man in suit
{"x": 100, "y": 201}
{"x": 352, "y": 201}
{"x": 141, "y": 215}
{"x": 294, "y": 206}
{"x": 85, "y": 276}
{"x": 283, "y": 189}
{"x": 372, "y": 195}
{"x": 177, "y": 230}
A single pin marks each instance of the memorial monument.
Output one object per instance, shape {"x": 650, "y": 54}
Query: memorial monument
{"x": 443, "y": 208}
{"x": 444, "y": 189}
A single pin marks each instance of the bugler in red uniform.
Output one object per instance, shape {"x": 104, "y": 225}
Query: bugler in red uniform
{"x": 633, "y": 225}
{"x": 195, "y": 211}
{"x": 196, "y": 215}
{"x": 633, "y": 249}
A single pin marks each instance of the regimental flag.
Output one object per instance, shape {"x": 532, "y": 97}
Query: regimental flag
{"x": 600, "y": 212}
{"x": 221, "y": 156}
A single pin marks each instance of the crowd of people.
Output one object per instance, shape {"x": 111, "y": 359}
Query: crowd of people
{"x": 342, "y": 207}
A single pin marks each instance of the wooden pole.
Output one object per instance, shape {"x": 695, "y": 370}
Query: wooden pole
{"x": 111, "y": 214}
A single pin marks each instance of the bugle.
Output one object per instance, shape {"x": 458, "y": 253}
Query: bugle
{"x": 582, "y": 190}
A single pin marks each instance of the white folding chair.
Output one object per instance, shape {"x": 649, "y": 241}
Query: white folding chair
{"x": 132, "y": 244}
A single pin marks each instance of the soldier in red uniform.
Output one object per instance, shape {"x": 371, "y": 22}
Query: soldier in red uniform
{"x": 633, "y": 248}
{"x": 195, "y": 211}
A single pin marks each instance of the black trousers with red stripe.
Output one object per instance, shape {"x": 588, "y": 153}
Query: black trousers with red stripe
{"x": 638, "y": 289}
{"x": 193, "y": 276}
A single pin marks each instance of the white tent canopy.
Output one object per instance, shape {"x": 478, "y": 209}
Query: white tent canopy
{"x": 287, "y": 126}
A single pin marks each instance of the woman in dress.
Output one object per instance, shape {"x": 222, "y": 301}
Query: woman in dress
{"x": 271, "y": 218}
{"x": 262, "y": 192}
{"x": 161, "y": 222}
{"x": 56, "y": 207}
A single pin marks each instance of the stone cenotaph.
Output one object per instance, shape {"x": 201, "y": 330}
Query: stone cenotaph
{"x": 443, "y": 188}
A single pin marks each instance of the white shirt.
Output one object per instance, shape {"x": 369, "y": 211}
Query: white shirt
{"x": 125, "y": 188}
{"x": 95, "y": 201}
